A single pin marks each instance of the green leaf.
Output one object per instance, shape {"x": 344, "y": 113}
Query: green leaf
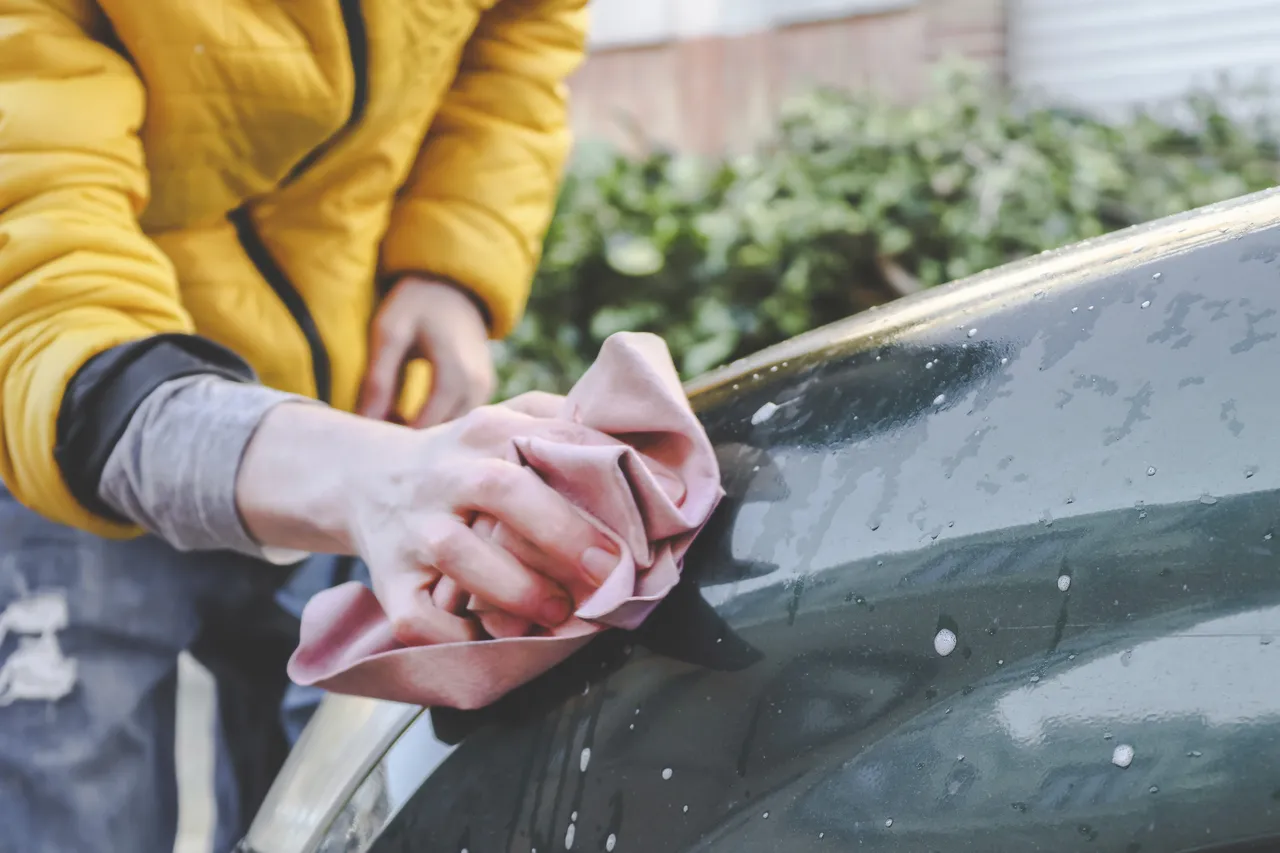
{"x": 725, "y": 256}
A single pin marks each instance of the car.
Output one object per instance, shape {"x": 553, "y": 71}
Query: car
{"x": 997, "y": 571}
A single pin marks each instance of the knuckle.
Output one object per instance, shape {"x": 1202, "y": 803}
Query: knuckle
{"x": 492, "y": 479}
{"x": 444, "y": 545}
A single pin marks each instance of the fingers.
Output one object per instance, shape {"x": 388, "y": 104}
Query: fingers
{"x": 576, "y": 552}
{"x": 389, "y": 346}
{"x": 415, "y": 619}
{"x": 459, "y": 384}
{"x": 489, "y": 572}
{"x": 564, "y": 571}
{"x": 450, "y": 597}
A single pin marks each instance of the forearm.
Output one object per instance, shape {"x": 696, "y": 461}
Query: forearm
{"x": 173, "y": 470}
{"x": 305, "y": 468}
{"x": 212, "y": 460}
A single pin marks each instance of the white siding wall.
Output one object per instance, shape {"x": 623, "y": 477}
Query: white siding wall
{"x": 1113, "y": 54}
{"x": 631, "y": 23}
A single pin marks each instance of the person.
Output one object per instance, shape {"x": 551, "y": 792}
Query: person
{"x": 236, "y": 241}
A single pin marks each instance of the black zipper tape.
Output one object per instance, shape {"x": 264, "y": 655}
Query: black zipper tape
{"x": 251, "y": 241}
{"x": 289, "y": 295}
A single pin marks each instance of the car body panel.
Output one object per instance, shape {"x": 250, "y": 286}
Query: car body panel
{"x": 1069, "y": 463}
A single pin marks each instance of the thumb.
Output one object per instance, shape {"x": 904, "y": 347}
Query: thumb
{"x": 388, "y": 353}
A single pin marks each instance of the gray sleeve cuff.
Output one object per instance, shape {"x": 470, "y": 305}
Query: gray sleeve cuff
{"x": 173, "y": 471}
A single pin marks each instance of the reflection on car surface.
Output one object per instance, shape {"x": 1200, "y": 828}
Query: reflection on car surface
{"x": 1068, "y": 463}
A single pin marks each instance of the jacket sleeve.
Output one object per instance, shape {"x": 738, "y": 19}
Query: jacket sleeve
{"x": 78, "y": 279}
{"x": 482, "y": 192}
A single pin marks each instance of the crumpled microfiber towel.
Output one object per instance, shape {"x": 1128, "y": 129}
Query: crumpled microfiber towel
{"x": 651, "y": 492}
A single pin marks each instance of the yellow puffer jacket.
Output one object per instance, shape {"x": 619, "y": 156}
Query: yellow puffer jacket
{"x": 248, "y": 170}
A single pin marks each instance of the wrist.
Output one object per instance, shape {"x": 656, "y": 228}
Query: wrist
{"x": 302, "y": 474}
{"x": 417, "y": 279}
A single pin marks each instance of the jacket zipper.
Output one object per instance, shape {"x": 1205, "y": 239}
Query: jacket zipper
{"x": 251, "y": 241}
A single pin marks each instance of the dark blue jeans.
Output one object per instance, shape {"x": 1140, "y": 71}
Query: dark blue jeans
{"x": 90, "y": 632}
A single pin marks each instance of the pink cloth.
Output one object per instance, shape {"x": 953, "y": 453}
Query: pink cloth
{"x": 651, "y": 492}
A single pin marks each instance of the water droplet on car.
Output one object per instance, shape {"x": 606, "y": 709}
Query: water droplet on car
{"x": 928, "y": 365}
{"x": 1035, "y": 679}
{"x": 573, "y": 817}
{"x": 944, "y": 642}
{"x": 610, "y": 843}
{"x": 1208, "y": 500}
{"x": 1157, "y": 276}
{"x": 584, "y": 759}
{"x": 1000, "y": 662}
{"x": 667, "y": 773}
{"x": 889, "y": 822}
{"x": 1074, "y": 310}
{"x": 773, "y": 369}
{"x": 763, "y": 413}
{"x": 960, "y": 758}
{"x": 1154, "y": 789}
{"x": 765, "y": 815}
{"x": 1064, "y": 583}
{"x": 1122, "y": 756}
{"x": 1151, "y": 472}
{"x": 1146, "y": 304}
{"x": 568, "y": 836}
{"x": 1195, "y": 753}
{"x": 973, "y": 333}
{"x": 686, "y": 809}
{"x": 1090, "y": 307}
{"x": 1004, "y": 361}
{"x": 940, "y": 399}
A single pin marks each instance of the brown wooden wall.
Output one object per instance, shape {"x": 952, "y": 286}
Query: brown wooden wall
{"x": 721, "y": 94}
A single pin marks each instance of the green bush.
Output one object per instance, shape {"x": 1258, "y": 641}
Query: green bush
{"x": 856, "y": 200}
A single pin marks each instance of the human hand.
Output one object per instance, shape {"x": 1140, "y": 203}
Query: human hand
{"x": 441, "y": 323}
{"x": 320, "y": 480}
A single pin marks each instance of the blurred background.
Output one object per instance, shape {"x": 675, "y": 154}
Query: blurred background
{"x": 747, "y": 170}
{"x": 750, "y": 169}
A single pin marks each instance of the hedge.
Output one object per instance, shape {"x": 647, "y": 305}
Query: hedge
{"x": 855, "y": 200}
